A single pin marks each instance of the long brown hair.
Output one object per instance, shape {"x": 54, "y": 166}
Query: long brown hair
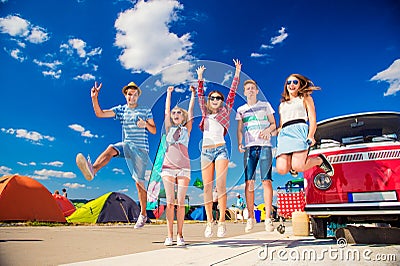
{"x": 306, "y": 87}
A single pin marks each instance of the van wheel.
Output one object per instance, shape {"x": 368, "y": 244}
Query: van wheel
{"x": 319, "y": 227}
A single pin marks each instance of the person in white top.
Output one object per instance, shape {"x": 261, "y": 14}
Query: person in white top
{"x": 214, "y": 153}
{"x": 256, "y": 120}
{"x": 295, "y": 135}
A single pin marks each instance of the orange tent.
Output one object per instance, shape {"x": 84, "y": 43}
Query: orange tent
{"x": 66, "y": 206}
{"x": 24, "y": 199}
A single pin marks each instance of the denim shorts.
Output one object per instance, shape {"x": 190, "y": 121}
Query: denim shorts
{"x": 135, "y": 158}
{"x": 214, "y": 154}
{"x": 261, "y": 155}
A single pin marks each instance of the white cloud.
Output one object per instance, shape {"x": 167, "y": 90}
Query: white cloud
{"x": 280, "y": 38}
{"x": 79, "y": 45}
{"x": 55, "y": 163}
{"x": 85, "y": 77}
{"x": 14, "y": 26}
{"x": 74, "y": 185}
{"x": 18, "y": 27}
{"x": 95, "y": 51}
{"x": 4, "y": 170}
{"x": 81, "y": 129}
{"x": 273, "y": 41}
{"x": 118, "y": 171}
{"x": 51, "y": 65}
{"x": 257, "y": 55}
{"x": 390, "y": 75}
{"x": 51, "y": 173}
{"x": 266, "y": 46}
{"x": 147, "y": 43}
{"x": 38, "y": 35}
{"x": 17, "y": 54}
{"x": 32, "y": 136}
{"x": 51, "y": 73}
{"x": 123, "y": 190}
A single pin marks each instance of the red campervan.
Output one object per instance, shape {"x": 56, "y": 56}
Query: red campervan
{"x": 364, "y": 150}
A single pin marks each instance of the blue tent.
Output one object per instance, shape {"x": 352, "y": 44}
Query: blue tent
{"x": 199, "y": 214}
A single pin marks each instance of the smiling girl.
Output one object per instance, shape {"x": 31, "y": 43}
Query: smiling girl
{"x": 295, "y": 135}
{"x": 176, "y": 164}
{"x": 214, "y": 154}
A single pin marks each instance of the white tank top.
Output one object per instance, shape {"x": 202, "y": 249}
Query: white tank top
{"x": 292, "y": 110}
{"x": 213, "y": 131}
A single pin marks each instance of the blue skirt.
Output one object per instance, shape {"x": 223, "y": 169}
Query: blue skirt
{"x": 292, "y": 138}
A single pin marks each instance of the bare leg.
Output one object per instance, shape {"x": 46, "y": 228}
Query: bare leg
{"x": 221, "y": 167}
{"x": 169, "y": 185}
{"x": 284, "y": 163}
{"x": 104, "y": 158}
{"x": 207, "y": 174}
{"x": 267, "y": 186}
{"x": 301, "y": 162}
{"x": 249, "y": 193}
{"x": 183, "y": 183}
{"x": 142, "y": 193}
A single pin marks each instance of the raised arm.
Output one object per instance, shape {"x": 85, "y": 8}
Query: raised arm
{"x": 232, "y": 92}
{"x": 167, "y": 112}
{"x": 190, "y": 109}
{"x": 200, "y": 89}
{"x": 94, "y": 93}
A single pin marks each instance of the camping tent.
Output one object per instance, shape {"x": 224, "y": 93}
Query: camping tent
{"x": 111, "y": 207}
{"x": 25, "y": 199}
{"x": 65, "y": 204}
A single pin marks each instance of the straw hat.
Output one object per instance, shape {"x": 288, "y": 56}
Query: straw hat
{"x": 131, "y": 85}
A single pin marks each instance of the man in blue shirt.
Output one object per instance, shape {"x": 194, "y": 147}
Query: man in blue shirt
{"x": 136, "y": 122}
{"x": 239, "y": 208}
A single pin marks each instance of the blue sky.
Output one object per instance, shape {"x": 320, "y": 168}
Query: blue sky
{"x": 53, "y": 51}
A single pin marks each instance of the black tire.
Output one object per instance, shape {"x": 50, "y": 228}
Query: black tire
{"x": 319, "y": 227}
{"x": 281, "y": 229}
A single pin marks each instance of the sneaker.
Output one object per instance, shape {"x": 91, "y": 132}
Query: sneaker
{"x": 221, "y": 229}
{"x": 168, "y": 242}
{"x": 249, "y": 225}
{"x": 140, "y": 221}
{"x": 293, "y": 173}
{"x": 326, "y": 165}
{"x": 85, "y": 166}
{"x": 180, "y": 242}
{"x": 269, "y": 225}
{"x": 208, "y": 232}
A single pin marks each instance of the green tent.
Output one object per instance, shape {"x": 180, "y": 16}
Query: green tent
{"x": 111, "y": 207}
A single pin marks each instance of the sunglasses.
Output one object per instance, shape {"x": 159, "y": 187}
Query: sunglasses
{"x": 218, "y": 98}
{"x": 176, "y": 112}
{"x": 295, "y": 82}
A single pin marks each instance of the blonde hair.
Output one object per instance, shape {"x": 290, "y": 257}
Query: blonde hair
{"x": 251, "y": 82}
{"x": 184, "y": 113}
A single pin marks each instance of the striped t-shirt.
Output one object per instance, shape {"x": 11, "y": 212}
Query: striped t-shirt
{"x": 255, "y": 120}
{"x": 129, "y": 118}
